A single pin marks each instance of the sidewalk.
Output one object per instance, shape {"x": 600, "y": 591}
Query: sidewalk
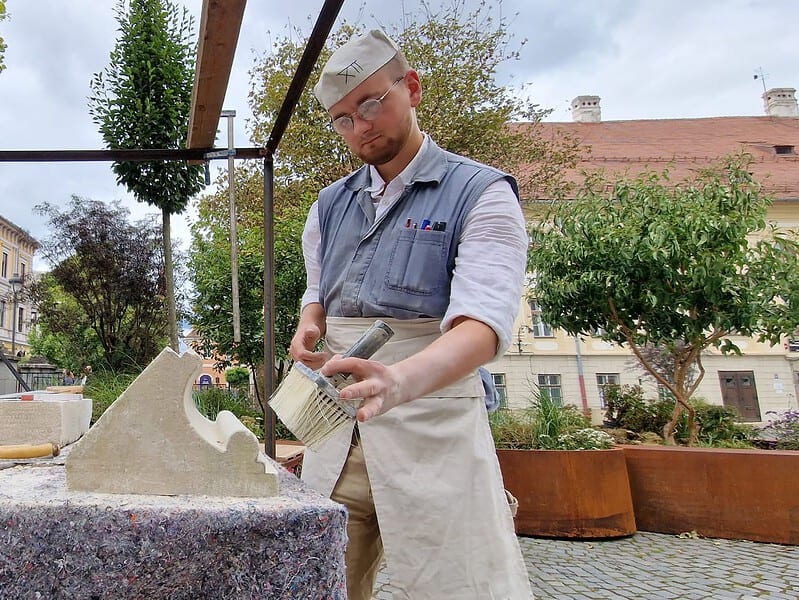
{"x": 654, "y": 566}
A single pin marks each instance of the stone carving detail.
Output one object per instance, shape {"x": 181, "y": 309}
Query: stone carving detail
{"x": 153, "y": 440}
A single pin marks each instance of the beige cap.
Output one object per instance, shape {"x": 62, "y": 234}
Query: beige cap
{"x": 350, "y": 65}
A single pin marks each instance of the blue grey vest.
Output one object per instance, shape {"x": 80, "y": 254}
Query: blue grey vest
{"x": 401, "y": 265}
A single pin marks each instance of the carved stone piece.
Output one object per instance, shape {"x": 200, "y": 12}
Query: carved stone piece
{"x": 153, "y": 440}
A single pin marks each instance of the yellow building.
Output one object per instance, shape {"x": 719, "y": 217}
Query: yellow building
{"x": 765, "y": 378}
{"x": 16, "y": 262}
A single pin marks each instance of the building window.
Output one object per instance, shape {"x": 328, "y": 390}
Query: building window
{"x": 783, "y": 149}
{"x": 664, "y": 393}
{"x": 549, "y": 385}
{"x": 20, "y": 318}
{"x": 539, "y": 329}
{"x": 603, "y": 380}
{"x": 3, "y": 313}
{"x": 502, "y": 390}
{"x": 4, "y": 266}
{"x": 22, "y": 270}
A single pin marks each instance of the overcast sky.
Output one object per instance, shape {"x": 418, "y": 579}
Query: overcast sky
{"x": 646, "y": 59}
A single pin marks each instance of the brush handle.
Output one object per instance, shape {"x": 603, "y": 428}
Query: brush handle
{"x": 371, "y": 341}
{"x": 365, "y": 346}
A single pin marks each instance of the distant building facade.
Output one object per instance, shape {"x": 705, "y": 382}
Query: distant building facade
{"x": 17, "y": 249}
{"x": 209, "y": 377}
{"x": 576, "y": 369}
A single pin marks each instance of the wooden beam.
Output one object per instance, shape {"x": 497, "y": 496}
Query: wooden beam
{"x": 194, "y": 155}
{"x": 220, "y": 24}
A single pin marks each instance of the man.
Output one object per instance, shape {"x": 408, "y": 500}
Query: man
{"x": 434, "y": 244}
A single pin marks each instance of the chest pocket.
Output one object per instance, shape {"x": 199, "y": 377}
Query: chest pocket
{"x": 418, "y": 263}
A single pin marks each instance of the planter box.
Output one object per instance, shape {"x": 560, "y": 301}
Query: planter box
{"x": 569, "y": 493}
{"x": 733, "y": 494}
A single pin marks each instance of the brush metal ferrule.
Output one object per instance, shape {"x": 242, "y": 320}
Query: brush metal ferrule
{"x": 325, "y": 387}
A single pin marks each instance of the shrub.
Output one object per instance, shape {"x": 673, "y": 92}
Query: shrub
{"x": 584, "y": 439}
{"x": 717, "y": 426}
{"x": 626, "y": 408}
{"x": 212, "y": 401}
{"x": 513, "y": 429}
{"x": 545, "y": 425}
{"x": 104, "y": 387}
{"x": 785, "y": 430}
{"x": 237, "y": 377}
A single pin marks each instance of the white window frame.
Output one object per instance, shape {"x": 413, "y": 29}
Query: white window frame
{"x": 602, "y": 381}
{"x": 502, "y": 389}
{"x": 539, "y": 329}
{"x": 551, "y": 384}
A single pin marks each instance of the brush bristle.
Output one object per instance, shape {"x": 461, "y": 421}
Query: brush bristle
{"x": 310, "y": 414}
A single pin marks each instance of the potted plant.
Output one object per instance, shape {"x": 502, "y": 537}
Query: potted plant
{"x": 726, "y": 486}
{"x": 569, "y": 478}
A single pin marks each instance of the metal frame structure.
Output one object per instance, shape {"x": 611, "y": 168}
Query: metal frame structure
{"x": 219, "y": 29}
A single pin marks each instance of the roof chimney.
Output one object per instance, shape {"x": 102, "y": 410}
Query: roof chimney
{"x": 585, "y": 109}
{"x": 780, "y": 102}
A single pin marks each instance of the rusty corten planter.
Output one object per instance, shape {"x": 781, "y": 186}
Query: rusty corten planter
{"x": 569, "y": 493}
{"x": 724, "y": 493}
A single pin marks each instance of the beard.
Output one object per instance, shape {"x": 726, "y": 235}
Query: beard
{"x": 387, "y": 145}
{"x": 380, "y": 152}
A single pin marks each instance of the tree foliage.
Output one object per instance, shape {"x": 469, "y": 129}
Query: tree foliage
{"x": 680, "y": 266}
{"x": 463, "y": 108}
{"x": 3, "y": 17}
{"x": 209, "y": 267}
{"x": 142, "y": 100}
{"x": 237, "y": 376}
{"x": 102, "y": 301}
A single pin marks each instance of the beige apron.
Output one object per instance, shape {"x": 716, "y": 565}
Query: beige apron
{"x": 444, "y": 519}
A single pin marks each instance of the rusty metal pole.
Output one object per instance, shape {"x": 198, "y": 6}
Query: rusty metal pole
{"x": 270, "y": 419}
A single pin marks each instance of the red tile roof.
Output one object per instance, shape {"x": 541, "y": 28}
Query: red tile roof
{"x": 684, "y": 145}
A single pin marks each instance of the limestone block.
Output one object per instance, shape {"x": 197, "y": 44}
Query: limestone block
{"x": 153, "y": 440}
{"x": 57, "y": 418}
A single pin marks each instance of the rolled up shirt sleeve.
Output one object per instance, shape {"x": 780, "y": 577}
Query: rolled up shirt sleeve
{"x": 488, "y": 279}
{"x": 311, "y": 244}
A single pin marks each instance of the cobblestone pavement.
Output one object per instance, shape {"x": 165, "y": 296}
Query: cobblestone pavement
{"x": 654, "y": 566}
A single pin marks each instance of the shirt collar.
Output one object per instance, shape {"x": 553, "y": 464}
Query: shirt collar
{"x": 378, "y": 186}
{"x": 429, "y": 164}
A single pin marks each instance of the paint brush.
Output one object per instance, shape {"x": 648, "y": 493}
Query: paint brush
{"x": 308, "y": 403}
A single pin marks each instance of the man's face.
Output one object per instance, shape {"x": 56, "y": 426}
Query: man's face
{"x": 379, "y": 140}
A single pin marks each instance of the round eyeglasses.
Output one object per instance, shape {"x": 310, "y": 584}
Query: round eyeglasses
{"x": 368, "y": 110}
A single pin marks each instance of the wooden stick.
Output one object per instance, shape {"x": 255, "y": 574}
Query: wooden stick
{"x": 29, "y": 450}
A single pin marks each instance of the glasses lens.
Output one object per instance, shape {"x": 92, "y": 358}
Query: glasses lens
{"x": 343, "y": 124}
{"x": 369, "y": 109}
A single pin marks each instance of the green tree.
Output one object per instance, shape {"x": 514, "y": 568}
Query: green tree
{"x": 142, "y": 100}
{"x": 61, "y": 333}
{"x": 209, "y": 268}
{"x": 237, "y": 376}
{"x": 102, "y": 302}
{"x": 464, "y": 109}
{"x": 3, "y": 17}
{"x": 681, "y": 266}
{"x": 457, "y": 54}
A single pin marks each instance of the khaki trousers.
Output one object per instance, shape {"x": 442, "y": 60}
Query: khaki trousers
{"x": 364, "y": 546}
